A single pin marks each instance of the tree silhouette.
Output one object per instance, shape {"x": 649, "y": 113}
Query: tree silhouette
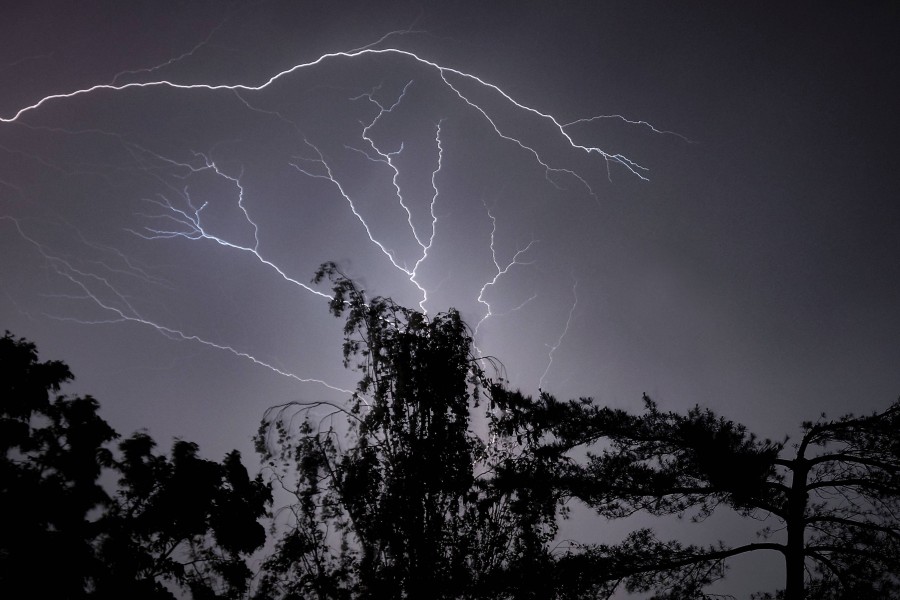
{"x": 836, "y": 493}
{"x": 182, "y": 520}
{"x": 395, "y": 500}
{"x": 434, "y": 481}
{"x": 173, "y": 523}
{"x": 54, "y": 448}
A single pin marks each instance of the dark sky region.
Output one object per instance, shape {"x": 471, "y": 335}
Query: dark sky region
{"x": 696, "y": 200}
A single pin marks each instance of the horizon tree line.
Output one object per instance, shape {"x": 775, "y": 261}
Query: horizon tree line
{"x": 435, "y": 480}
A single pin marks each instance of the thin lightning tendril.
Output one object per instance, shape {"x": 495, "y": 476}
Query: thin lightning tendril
{"x": 128, "y": 313}
{"x": 562, "y": 336}
{"x": 176, "y": 59}
{"x": 193, "y": 228}
{"x": 500, "y": 272}
{"x": 630, "y": 122}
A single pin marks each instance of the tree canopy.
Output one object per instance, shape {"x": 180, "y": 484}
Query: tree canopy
{"x": 396, "y": 501}
{"x": 434, "y": 480}
{"x": 835, "y": 493}
{"x": 172, "y": 523}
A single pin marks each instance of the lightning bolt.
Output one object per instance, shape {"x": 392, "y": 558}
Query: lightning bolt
{"x": 445, "y": 73}
{"x": 176, "y": 215}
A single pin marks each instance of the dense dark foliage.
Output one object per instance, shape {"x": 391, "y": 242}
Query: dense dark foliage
{"x": 54, "y": 448}
{"x": 172, "y": 523}
{"x": 394, "y": 500}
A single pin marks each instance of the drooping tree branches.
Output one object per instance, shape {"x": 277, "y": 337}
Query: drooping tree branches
{"x": 395, "y": 501}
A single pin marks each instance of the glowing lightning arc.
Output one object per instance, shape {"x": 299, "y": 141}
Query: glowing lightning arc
{"x": 185, "y": 218}
{"x": 443, "y": 71}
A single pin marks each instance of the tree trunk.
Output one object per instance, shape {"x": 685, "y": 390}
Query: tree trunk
{"x": 795, "y": 556}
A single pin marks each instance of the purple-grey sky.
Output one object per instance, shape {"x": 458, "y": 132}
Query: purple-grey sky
{"x": 696, "y": 200}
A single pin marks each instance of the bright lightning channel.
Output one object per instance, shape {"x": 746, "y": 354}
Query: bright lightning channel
{"x": 443, "y": 71}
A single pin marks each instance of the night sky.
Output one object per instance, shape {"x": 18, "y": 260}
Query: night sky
{"x": 693, "y": 200}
